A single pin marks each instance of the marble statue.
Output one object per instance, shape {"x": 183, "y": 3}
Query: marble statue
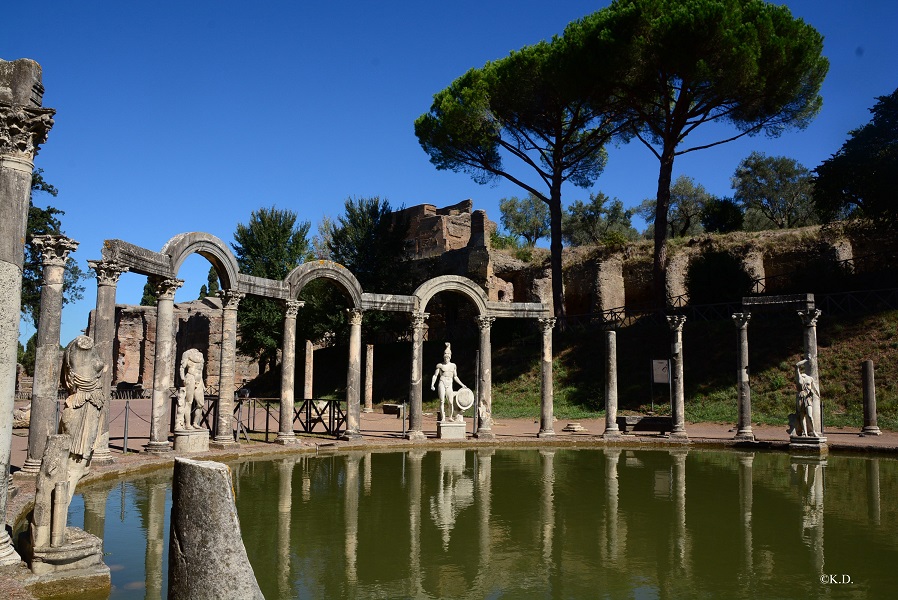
{"x": 807, "y": 399}
{"x": 192, "y": 362}
{"x": 82, "y": 370}
{"x": 181, "y": 416}
{"x": 446, "y": 373}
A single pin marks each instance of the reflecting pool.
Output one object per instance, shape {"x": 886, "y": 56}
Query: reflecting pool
{"x": 565, "y": 523}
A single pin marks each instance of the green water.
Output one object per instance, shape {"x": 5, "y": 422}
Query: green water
{"x": 536, "y": 524}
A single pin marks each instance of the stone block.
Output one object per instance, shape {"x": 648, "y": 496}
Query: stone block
{"x": 449, "y": 430}
{"x": 188, "y": 441}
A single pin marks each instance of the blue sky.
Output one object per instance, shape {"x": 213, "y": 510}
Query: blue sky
{"x": 186, "y": 116}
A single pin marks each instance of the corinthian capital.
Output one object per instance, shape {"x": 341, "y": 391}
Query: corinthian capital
{"x": 418, "y": 320}
{"x": 24, "y": 129}
{"x": 485, "y": 323}
{"x": 355, "y": 316}
{"x": 293, "y": 307}
{"x": 166, "y": 287}
{"x": 108, "y": 271}
{"x": 741, "y": 320}
{"x": 230, "y": 298}
{"x": 675, "y": 322}
{"x": 54, "y": 249}
{"x": 546, "y": 324}
{"x": 809, "y": 317}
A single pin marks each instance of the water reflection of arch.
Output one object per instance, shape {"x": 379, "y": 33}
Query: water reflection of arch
{"x": 325, "y": 269}
{"x": 452, "y": 283}
{"x": 209, "y": 247}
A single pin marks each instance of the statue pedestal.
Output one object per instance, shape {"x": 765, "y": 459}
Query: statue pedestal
{"x": 191, "y": 440}
{"x": 76, "y": 565}
{"x": 800, "y": 443}
{"x": 451, "y": 430}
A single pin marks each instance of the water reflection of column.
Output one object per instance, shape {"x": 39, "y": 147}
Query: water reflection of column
{"x": 484, "y": 506}
{"x": 306, "y": 480}
{"x": 414, "y": 520}
{"x": 680, "y": 543}
{"x": 810, "y": 480}
{"x": 745, "y": 508}
{"x": 95, "y": 510}
{"x": 873, "y": 497}
{"x": 352, "y": 515}
{"x": 367, "y": 460}
{"x": 613, "y": 544}
{"x": 547, "y": 509}
{"x": 155, "y": 539}
{"x": 285, "y": 507}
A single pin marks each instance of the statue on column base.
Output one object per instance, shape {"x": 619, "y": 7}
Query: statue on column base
{"x": 803, "y": 434}
{"x": 453, "y": 425}
{"x": 54, "y": 552}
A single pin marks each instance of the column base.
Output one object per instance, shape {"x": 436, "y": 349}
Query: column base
{"x": 485, "y": 434}
{"x": 351, "y": 436}
{"x": 367, "y": 410}
{"x": 227, "y": 443}
{"x": 287, "y": 439}
{"x": 744, "y": 435}
{"x": 157, "y": 447}
{"x": 8, "y": 555}
{"x": 546, "y": 433}
{"x": 31, "y": 467}
{"x": 816, "y": 445}
{"x": 679, "y": 436}
{"x": 415, "y": 435}
{"x": 870, "y": 430}
{"x": 102, "y": 457}
{"x": 612, "y": 434}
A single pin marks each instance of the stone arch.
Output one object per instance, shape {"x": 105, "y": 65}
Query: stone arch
{"x": 209, "y": 247}
{"x": 306, "y": 272}
{"x": 452, "y": 283}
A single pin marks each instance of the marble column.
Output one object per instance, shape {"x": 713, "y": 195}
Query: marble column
{"x": 485, "y": 385}
{"x": 677, "y": 410}
{"x": 415, "y": 399}
{"x": 546, "y": 416}
{"x": 108, "y": 273}
{"x": 163, "y": 363}
{"x": 54, "y": 251}
{"x": 809, "y": 320}
{"x": 309, "y": 371}
{"x": 224, "y": 429}
{"x": 288, "y": 374}
{"x": 612, "y": 431}
{"x": 369, "y": 378}
{"x": 869, "y": 383}
{"x": 24, "y": 125}
{"x": 743, "y": 427}
{"x": 354, "y": 376}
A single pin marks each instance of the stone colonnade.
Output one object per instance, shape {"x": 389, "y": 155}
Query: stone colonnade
{"x": 24, "y": 125}
{"x": 163, "y": 266}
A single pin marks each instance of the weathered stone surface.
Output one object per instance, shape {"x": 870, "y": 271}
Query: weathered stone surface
{"x": 206, "y": 557}
{"x": 191, "y": 440}
{"x": 451, "y": 430}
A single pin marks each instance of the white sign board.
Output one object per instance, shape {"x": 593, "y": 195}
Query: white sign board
{"x": 660, "y": 371}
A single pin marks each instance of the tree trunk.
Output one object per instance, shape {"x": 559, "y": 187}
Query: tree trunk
{"x": 555, "y": 247}
{"x": 662, "y": 205}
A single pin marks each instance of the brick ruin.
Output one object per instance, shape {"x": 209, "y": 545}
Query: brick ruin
{"x": 455, "y": 240}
